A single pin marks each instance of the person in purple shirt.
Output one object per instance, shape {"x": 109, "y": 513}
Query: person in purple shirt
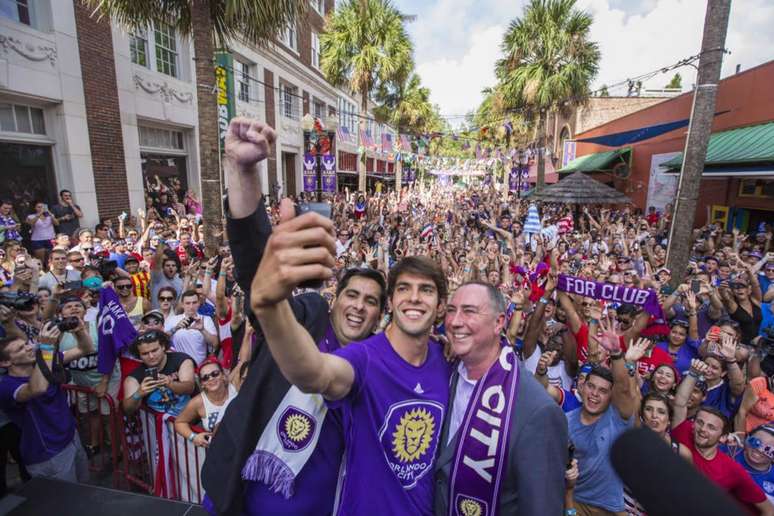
{"x": 32, "y": 399}
{"x": 392, "y": 388}
{"x": 683, "y": 343}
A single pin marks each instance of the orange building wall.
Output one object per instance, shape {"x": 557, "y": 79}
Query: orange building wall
{"x": 749, "y": 99}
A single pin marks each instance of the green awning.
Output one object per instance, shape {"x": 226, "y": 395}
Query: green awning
{"x": 753, "y": 144}
{"x": 598, "y": 161}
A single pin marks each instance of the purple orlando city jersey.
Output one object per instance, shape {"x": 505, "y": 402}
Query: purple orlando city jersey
{"x": 392, "y": 425}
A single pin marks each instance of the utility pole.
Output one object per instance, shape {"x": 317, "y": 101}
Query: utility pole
{"x": 702, "y": 115}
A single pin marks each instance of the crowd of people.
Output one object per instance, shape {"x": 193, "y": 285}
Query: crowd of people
{"x": 434, "y": 350}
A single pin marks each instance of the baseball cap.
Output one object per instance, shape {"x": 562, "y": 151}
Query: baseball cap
{"x": 664, "y": 269}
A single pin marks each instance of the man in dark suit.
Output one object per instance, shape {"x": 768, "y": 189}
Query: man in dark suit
{"x": 528, "y": 476}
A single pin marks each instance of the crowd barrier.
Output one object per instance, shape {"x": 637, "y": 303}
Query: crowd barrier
{"x": 146, "y": 453}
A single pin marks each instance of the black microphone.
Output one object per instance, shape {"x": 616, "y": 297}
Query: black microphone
{"x": 663, "y": 482}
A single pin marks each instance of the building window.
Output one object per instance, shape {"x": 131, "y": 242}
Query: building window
{"x": 315, "y": 50}
{"x": 15, "y": 118}
{"x": 290, "y": 37}
{"x": 161, "y": 138}
{"x": 166, "y": 49}
{"x": 318, "y": 109}
{"x": 16, "y": 10}
{"x": 289, "y": 99}
{"x": 138, "y": 47}
{"x": 319, "y": 6}
{"x": 243, "y": 80}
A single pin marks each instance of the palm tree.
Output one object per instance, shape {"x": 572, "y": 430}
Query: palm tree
{"x": 549, "y": 62}
{"x": 406, "y": 107}
{"x": 365, "y": 46}
{"x": 210, "y": 24}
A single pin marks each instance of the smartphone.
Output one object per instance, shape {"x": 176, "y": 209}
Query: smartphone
{"x": 570, "y": 454}
{"x": 324, "y": 209}
{"x": 153, "y": 372}
{"x": 695, "y": 286}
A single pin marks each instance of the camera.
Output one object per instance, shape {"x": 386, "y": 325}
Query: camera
{"x": 66, "y": 323}
{"x": 153, "y": 372}
{"x": 23, "y": 301}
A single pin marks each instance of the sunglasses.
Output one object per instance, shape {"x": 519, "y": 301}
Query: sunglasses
{"x": 124, "y": 287}
{"x": 165, "y": 298}
{"x": 765, "y": 449}
{"x": 150, "y": 336}
{"x": 213, "y": 374}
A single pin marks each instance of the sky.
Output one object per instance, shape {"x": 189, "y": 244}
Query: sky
{"x": 458, "y": 41}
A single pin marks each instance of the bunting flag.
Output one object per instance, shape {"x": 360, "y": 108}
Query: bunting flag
{"x": 343, "y": 134}
{"x": 366, "y": 140}
{"x": 386, "y": 142}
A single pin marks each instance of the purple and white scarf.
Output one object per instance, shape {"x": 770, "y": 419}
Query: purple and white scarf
{"x": 482, "y": 448}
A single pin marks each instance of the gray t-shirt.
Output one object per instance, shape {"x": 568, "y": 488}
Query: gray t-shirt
{"x": 159, "y": 281}
{"x": 50, "y": 281}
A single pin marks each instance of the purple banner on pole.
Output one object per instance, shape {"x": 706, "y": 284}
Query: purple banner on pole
{"x": 513, "y": 179}
{"x": 310, "y": 172}
{"x": 329, "y": 173}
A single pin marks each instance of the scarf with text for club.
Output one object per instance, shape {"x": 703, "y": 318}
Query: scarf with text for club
{"x": 647, "y": 299}
{"x": 481, "y": 453}
{"x": 115, "y": 330}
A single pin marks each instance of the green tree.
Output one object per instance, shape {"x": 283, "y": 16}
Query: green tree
{"x": 210, "y": 24}
{"x": 549, "y": 62}
{"x": 603, "y": 91}
{"x": 406, "y": 106}
{"x": 676, "y": 82}
{"x": 364, "y": 47}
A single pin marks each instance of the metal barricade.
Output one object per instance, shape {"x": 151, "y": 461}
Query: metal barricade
{"x": 158, "y": 460}
{"x": 92, "y": 415}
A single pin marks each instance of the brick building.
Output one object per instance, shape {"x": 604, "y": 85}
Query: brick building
{"x": 86, "y": 106}
{"x": 737, "y": 184}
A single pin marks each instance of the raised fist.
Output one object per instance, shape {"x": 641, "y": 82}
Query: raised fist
{"x": 248, "y": 141}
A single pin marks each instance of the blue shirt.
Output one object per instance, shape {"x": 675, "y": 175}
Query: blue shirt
{"x": 120, "y": 258}
{"x": 720, "y": 398}
{"x": 764, "y": 479}
{"x": 570, "y": 401}
{"x": 598, "y": 484}
{"x": 687, "y": 352}
{"x": 768, "y": 317}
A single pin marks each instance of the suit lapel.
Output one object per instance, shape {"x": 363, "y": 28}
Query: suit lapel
{"x": 447, "y": 451}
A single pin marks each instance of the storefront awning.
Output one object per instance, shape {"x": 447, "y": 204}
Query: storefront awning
{"x": 740, "y": 148}
{"x": 598, "y": 161}
{"x": 762, "y": 171}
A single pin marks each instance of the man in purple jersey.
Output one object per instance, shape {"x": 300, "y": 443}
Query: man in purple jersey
{"x": 392, "y": 388}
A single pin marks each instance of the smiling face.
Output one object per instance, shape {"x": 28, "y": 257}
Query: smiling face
{"x": 677, "y": 335}
{"x": 18, "y": 352}
{"x": 760, "y": 457}
{"x": 663, "y": 379}
{"x": 707, "y": 429}
{"x": 415, "y": 304}
{"x": 596, "y": 394}
{"x": 472, "y": 323}
{"x": 215, "y": 379}
{"x": 355, "y": 312}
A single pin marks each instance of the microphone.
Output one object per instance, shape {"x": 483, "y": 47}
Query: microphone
{"x": 663, "y": 482}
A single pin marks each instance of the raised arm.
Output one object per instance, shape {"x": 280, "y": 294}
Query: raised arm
{"x": 573, "y": 319}
{"x": 683, "y": 394}
{"x": 623, "y": 398}
{"x": 300, "y": 249}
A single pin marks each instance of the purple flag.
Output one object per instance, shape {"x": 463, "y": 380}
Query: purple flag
{"x": 329, "y": 173}
{"x": 115, "y": 330}
{"x": 310, "y": 172}
{"x": 647, "y": 299}
{"x": 513, "y": 179}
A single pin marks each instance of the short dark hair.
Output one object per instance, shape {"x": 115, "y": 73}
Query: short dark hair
{"x": 4, "y": 342}
{"x": 421, "y": 266}
{"x": 64, "y": 191}
{"x": 715, "y": 412}
{"x": 148, "y": 337}
{"x": 602, "y": 372}
{"x": 188, "y": 293}
{"x": 6, "y": 201}
{"x": 658, "y": 397}
{"x": 100, "y": 227}
{"x": 367, "y": 273}
{"x": 169, "y": 289}
{"x": 495, "y": 297}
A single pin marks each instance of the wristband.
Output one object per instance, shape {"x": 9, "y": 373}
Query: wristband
{"x": 541, "y": 374}
{"x": 693, "y": 374}
{"x": 544, "y": 300}
{"x": 136, "y": 396}
{"x": 191, "y": 437}
{"x": 571, "y": 512}
{"x": 222, "y": 274}
{"x": 630, "y": 368}
{"x": 594, "y": 321}
{"x": 46, "y": 347}
{"x": 616, "y": 356}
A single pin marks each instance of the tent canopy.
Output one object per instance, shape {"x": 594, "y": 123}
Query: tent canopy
{"x": 578, "y": 188}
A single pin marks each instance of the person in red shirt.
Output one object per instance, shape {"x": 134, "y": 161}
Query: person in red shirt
{"x": 702, "y": 437}
{"x": 653, "y": 216}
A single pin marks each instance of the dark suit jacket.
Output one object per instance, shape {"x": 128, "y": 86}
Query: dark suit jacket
{"x": 264, "y": 387}
{"x": 537, "y": 454}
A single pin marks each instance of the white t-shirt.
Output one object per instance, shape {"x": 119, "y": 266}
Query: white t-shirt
{"x": 557, "y": 374}
{"x": 190, "y": 342}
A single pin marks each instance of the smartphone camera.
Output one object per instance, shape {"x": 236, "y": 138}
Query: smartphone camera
{"x": 153, "y": 372}
{"x": 321, "y": 208}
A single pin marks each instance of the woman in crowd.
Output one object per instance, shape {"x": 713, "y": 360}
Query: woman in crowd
{"x": 209, "y": 406}
{"x": 742, "y": 306}
{"x": 41, "y": 223}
